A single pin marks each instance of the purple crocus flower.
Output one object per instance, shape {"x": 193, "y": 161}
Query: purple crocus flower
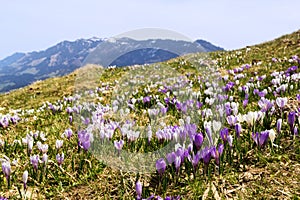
{"x": 69, "y": 110}
{"x": 84, "y": 139}
{"x": 265, "y": 104}
{"x": 6, "y": 168}
{"x": 291, "y": 120}
{"x": 160, "y": 166}
{"x": 191, "y": 130}
{"x": 216, "y": 154}
{"x": 261, "y": 138}
{"x": 238, "y": 129}
{"x": 4, "y": 122}
{"x": 167, "y": 100}
{"x": 224, "y": 134}
{"x": 245, "y": 103}
{"x": 255, "y": 137}
{"x": 14, "y": 119}
{"x": 228, "y": 109}
{"x": 278, "y": 125}
{"x": 181, "y": 107}
{"x": 199, "y": 104}
{"x": 86, "y": 121}
{"x": 231, "y": 120}
{"x": 119, "y": 144}
{"x": 34, "y": 159}
{"x": 281, "y": 102}
{"x": 164, "y": 110}
{"x": 146, "y": 99}
{"x": 298, "y": 97}
{"x": 198, "y": 140}
{"x": 205, "y": 155}
{"x": 60, "y": 158}
{"x": 68, "y": 133}
{"x": 138, "y": 189}
{"x": 171, "y": 157}
{"x": 195, "y": 160}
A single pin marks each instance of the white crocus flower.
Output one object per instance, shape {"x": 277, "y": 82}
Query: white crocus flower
{"x": 216, "y": 125}
{"x": 272, "y": 135}
{"x": 250, "y": 118}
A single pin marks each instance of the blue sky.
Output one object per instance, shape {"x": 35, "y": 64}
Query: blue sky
{"x": 35, "y": 25}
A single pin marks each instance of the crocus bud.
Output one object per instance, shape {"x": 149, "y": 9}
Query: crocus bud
{"x": 30, "y": 145}
{"x": 198, "y": 140}
{"x": 195, "y": 160}
{"x": 278, "y": 125}
{"x": 238, "y": 129}
{"x": 230, "y": 140}
{"x": 6, "y": 168}
{"x": 177, "y": 163}
{"x": 70, "y": 119}
{"x": 138, "y": 189}
{"x": 295, "y": 131}
{"x": 45, "y": 158}
{"x": 272, "y": 135}
{"x": 25, "y": 178}
{"x": 291, "y": 120}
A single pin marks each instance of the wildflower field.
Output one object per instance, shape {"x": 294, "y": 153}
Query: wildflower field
{"x": 212, "y": 126}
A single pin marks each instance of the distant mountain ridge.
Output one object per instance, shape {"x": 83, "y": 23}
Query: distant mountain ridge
{"x": 21, "y": 69}
{"x": 209, "y": 46}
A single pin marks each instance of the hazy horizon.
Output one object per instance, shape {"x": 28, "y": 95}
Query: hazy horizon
{"x": 33, "y": 26}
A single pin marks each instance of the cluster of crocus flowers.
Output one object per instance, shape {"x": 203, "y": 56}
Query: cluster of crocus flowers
{"x": 84, "y": 139}
{"x": 6, "y": 120}
{"x": 260, "y": 138}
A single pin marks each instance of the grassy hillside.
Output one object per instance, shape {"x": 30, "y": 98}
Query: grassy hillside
{"x": 234, "y": 117}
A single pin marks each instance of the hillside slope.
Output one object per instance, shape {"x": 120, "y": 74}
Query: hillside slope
{"x": 235, "y": 127}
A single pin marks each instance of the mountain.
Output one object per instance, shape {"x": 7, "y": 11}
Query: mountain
{"x": 21, "y": 69}
{"x": 209, "y": 46}
{"x": 127, "y": 51}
